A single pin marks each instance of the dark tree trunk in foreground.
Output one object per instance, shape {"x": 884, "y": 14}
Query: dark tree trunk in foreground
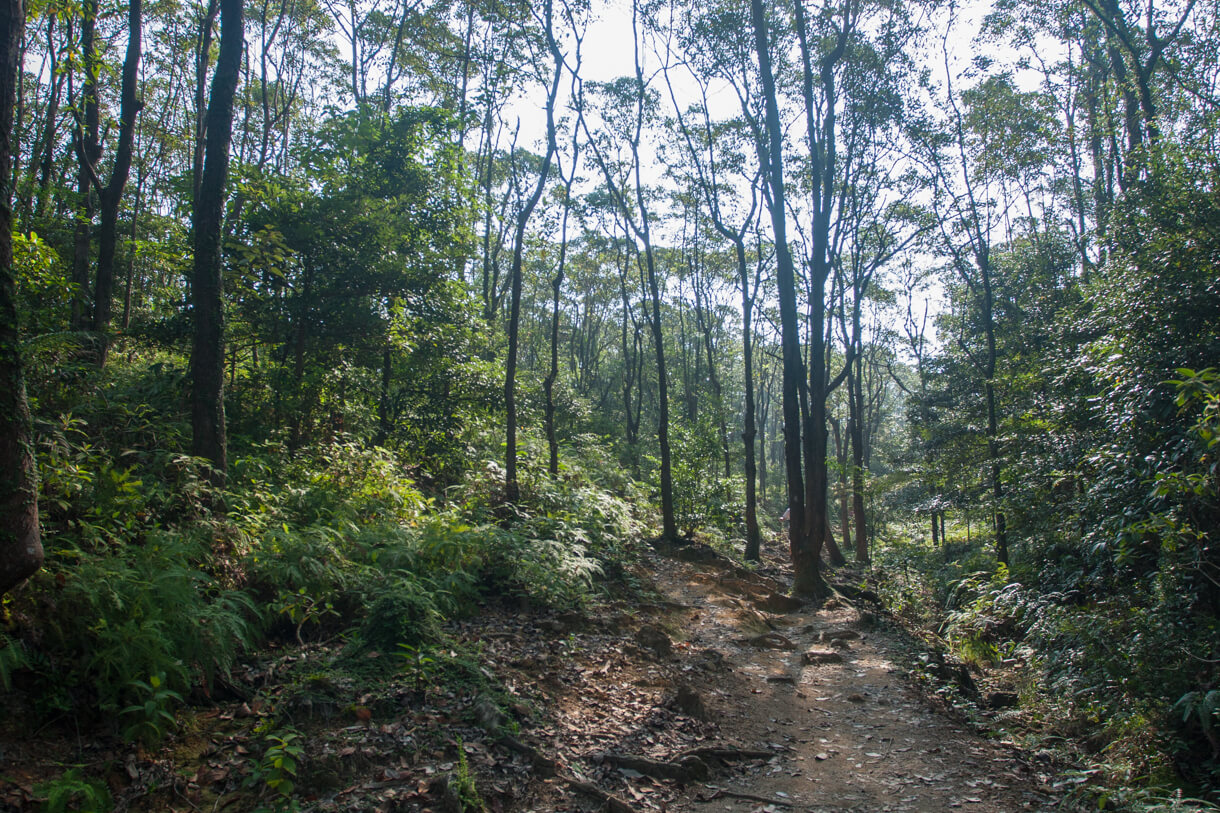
{"x": 208, "y": 436}
{"x": 20, "y": 545}
{"x": 807, "y": 572}
{"x": 112, "y": 194}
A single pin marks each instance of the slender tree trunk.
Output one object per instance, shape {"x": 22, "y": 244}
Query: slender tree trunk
{"x": 131, "y": 258}
{"x": 42, "y": 156}
{"x": 88, "y": 152}
{"x": 764, "y": 413}
{"x": 20, "y": 543}
{"x": 383, "y": 402}
{"x": 804, "y": 559}
{"x": 208, "y": 435}
{"x": 112, "y": 194}
{"x": 855, "y": 393}
{"x": 840, "y": 437}
{"x": 703, "y": 313}
{"x": 753, "y": 536}
{"x": 822, "y": 147}
{"x": 668, "y": 521}
{"x": 512, "y": 490}
{"x": 552, "y": 375}
{"x": 202, "y": 57}
{"x": 993, "y": 441}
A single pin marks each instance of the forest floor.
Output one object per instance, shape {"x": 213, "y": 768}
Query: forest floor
{"x": 719, "y": 694}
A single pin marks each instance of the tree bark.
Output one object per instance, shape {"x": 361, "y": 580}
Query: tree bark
{"x": 753, "y": 537}
{"x": 20, "y": 543}
{"x": 808, "y": 576}
{"x": 112, "y": 194}
{"x": 512, "y": 489}
{"x": 552, "y": 375}
{"x": 855, "y": 394}
{"x": 87, "y": 151}
{"x": 209, "y": 439}
{"x": 822, "y": 144}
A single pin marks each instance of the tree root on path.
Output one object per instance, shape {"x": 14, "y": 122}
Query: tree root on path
{"x": 612, "y": 802}
{"x": 749, "y": 797}
{"x": 724, "y": 754}
{"x": 545, "y": 766}
{"x": 685, "y": 769}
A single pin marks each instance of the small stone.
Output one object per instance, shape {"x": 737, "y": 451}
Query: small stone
{"x": 1002, "y": 700}
{"x": 488, "y": 715}
{"x": 771, "y": 640}
{"x": 690, "y": 703}
{"x": 820, "y": 656}
{"x": 654, "y": 639}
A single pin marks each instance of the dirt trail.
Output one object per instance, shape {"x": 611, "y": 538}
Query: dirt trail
{"x": 854, "y": 735}
{"x": 700, "y": 702}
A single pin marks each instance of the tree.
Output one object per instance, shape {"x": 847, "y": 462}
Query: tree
{"x": 88, "y": 151}
{"x": 111, "y": 194}
{"x": 808, "y": 576}
{"x": 208, "y": 436}
{"x": 704, "y": 157}
{"x": 511, "y": 488}
{"x": 20, "y": 542}
{"x": 629, "y": 102}
{"x": 552, "y": 374}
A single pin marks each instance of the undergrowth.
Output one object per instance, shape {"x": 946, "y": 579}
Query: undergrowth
{"x": 151, "y": 593}
{"x": 1085, "y": 676}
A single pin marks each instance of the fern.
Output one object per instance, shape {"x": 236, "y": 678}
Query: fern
{"x": 12, "y": 658}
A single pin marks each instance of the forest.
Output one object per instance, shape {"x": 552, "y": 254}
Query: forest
{"x": 344, "y": 342}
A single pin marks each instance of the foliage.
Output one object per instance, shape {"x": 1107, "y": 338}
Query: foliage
{"x": 72, "y": 791}
{"x": 463, "y": 784}
{"x": 151, "y": 715}
{"x": 280, "y": 762}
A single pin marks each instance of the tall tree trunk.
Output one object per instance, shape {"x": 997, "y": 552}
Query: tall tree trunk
{"x": 42, "y": 155}
{"x": 668, "y": 521}
{"x": 804, "y": 559}
{"x": 855, "y": 395}
{"x": 112, "y": 194}
{"x": 202, "y": 59}
{"x": 993, "y": 440}
{"x": 836, "y": 553}
{"x": 552, "y": 375}
{"x": 753, "y": 537}
{"x": 822, "y": 144}
{"x": 208, "y": 436}
{"x": 384, "y": 419}
{"x": 131, "y": 258}
{"x": 20, "y": 543}
{"x": 512, "y": 490}
{"x": 703, "y": 316}
{"x": 88, "y": 151}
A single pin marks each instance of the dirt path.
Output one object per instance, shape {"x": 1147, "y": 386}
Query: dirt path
{"x": 701, "y": 701}
{"x": 848, "y": 735}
